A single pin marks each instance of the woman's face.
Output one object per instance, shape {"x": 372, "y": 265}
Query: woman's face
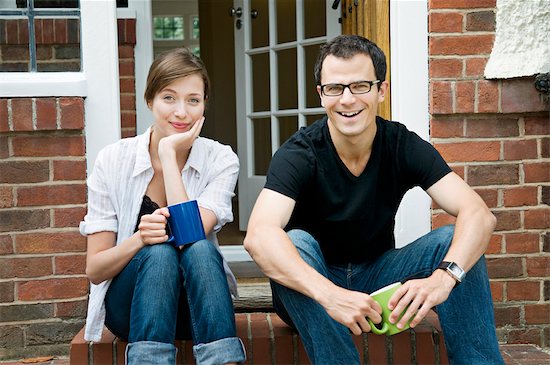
{"x": 179, "y": 105}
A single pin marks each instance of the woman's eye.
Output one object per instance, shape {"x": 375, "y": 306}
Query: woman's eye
{"x": 194, "y": 101}
{"x": 168, "y": 97}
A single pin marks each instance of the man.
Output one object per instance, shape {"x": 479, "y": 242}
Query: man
{"x": 322, "y": 228}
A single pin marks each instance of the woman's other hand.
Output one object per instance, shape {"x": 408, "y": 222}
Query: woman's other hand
{"x": 152, "y": 227}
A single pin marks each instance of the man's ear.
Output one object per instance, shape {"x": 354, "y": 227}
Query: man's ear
{"x": 382, "y": 88}
{"x": 320, "y": 95}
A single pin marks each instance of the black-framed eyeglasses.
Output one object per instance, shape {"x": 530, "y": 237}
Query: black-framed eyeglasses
{"x": 358, "y": 87}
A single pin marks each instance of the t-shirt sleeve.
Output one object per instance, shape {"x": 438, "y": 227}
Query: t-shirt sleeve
{"x": 423, "y": 164}
{"x": 291, "y": 168}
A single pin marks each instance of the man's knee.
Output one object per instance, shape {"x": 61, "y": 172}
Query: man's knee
{"x": 308, "y": 248}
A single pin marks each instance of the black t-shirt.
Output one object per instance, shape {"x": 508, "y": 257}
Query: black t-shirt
{"x": 352, "y": 217}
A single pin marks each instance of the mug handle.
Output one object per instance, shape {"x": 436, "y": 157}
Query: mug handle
{"x": 376, "y": 330}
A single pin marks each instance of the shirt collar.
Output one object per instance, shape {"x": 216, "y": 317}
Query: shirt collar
{"x": 143, "y": 159}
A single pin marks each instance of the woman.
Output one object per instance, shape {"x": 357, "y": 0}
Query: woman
{"x": 144, "y": 289}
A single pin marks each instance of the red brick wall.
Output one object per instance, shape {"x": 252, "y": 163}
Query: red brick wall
{"x": 495, "y": 134}
{"x": 43, "y": 289}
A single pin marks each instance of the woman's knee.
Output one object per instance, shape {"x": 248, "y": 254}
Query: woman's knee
{"x": 202, "y": 251}
{"x": 159, "y": 257}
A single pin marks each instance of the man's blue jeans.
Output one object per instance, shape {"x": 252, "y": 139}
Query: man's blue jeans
{"x": 163, "y": 294}
{"x": 466, "y": 317}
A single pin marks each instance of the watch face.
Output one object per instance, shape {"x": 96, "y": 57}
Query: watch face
{"x": 456, "y": 270}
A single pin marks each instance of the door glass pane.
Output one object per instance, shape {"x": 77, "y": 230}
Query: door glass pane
{"x": 286, "y": 21}
{"x": 287, "y": 127}
{"x": 314, "y": 18}
{"x": 288, "y": 80}
{"x": 14, "y": 45}
{"x": 310, "y": 119}
{"x": 57, "y": 51}
{"x": 262, "y": 145}
{"x": 312, "y": 97}
{"x": 260, "y": 82}
{"x": 260, "y": 24}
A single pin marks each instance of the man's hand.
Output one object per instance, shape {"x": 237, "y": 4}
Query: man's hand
{"x": 420, "y": 295}
{"x": 351, "y": 309}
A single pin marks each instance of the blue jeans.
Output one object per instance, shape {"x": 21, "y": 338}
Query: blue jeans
{"x": 163, "y": 294}
{"x": 469, "y": 340}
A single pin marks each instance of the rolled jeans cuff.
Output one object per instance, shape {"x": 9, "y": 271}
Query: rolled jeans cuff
{"x": 150, "y": 352}
{"x": 220, "y": 352}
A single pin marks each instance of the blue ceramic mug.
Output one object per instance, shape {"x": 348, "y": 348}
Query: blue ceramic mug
{"x": 185, "y": 224}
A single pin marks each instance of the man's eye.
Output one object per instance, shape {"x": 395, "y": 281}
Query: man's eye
{"x": 333, "y": 88}
{"x": 363, "y": 86}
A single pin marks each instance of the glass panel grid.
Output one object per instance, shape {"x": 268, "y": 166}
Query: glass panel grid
{"x": 168, "y": 28}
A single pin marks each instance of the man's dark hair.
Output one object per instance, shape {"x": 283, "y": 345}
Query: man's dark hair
{"x": 347, "y": 46}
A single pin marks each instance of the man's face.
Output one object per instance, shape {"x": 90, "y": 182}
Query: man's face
{"x": 351, "y": 115}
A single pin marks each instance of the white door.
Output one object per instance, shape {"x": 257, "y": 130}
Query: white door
{"x": 276, "y": 44}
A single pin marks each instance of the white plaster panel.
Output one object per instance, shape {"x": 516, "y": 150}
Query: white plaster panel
{"x": 522, "y": 43}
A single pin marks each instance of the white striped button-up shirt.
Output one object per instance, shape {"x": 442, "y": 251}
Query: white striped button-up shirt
{"x": 116, "y": 187}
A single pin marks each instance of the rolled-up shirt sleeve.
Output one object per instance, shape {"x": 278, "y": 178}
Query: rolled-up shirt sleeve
{"x": 220, "y": 187}
{"x": 101, "y": 214}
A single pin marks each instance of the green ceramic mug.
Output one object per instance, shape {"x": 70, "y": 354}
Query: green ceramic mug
{"x": 382, "y": 296}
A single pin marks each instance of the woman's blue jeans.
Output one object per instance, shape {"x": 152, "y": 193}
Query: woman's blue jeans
{"x": 163, "y": 294}
{"x": 466, "y": 317}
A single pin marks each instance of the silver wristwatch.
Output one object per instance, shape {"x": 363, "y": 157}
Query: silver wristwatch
{"x": 454, "y": 270}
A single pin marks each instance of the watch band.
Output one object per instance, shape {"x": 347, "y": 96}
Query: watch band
{"x": 455, "y": 271}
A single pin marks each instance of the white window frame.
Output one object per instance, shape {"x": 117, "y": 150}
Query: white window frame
{"x": 97, "y": 82}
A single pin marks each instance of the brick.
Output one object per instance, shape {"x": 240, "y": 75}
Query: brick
{"x": 17, "y": 172}
{"x": 497, "y": 290}
{"x": 519, "y": 96}
{"x": 520, "y": 150}
{"x": 6, "y": 245}
{"x": 12, "y": 32}
{"x": 128, "y": 119}
{"x": 446, "y": 127}
{"x": 261, "y": 341}
{"x": 507, "y": 220}
{"x": 22, "y": 114}
{"x": 538, "y": 266}
{"x": 469, "y": 151}
{"x": 7, "y": 292}
{"x": 73, "y": 31}
{"x": 537, "y": 172}
{"x": 537, "y": 313}
{"x": 461, "y": 45}
{"x": 461, "y": 4}
{"x": 26, "y": 312}
{"x": 60, "y": 32}
{"x": 68, "y": 217}
{"x": 11, "y": 337}
{"x": 523, "y": 290}
{"x": 546, "y": 295}
{"x": 51, "y": 195}
{"x": 46, "y": 114}
{"x": 4, "y": 147}
{"x": 73, "y": 309}
{"x": 51, "y": 333}
{"x": 495, "y": 244}
{"x": 4, "y": 122}
{"x": 492, "y": 128}
{"x": 489, "y": 196}
{"x": 48, "y": 31}
{"x": 493, "y": 174}
{"x": 283, "y": 340}
{"x": 441, "y": 98}
{"x": 537, "y": 125}
{"x": 58, "y": 288}
{"x": 72, "y": 113}
{"x": 6, "y": 197}
{"x": 448, "y": 22}
{"x": 522, "y": 196}
{"x": 483, "y": 21}
{"x": 126, "y": 68}
{"x": 69, "y": 170}
{"x": 508, "y": 315}
{"x": 44, "y": 53}
{"x": 28, "y": 267}
{"x": 16, "y": 53}
{"x": 527, "y": 336}
{"x": 67, "y": 52}
{"x": 546, "y": 242}
{"x": 476, "y": 66}
{"x": 127, "y": 102}
{"x": 60, "y": 242}
{"x": 443, "y": 219}
{"x": 545, "y": 196}
{"x": 70, "y": 265}
{"x": 504, "y": 267}
{"x": 487, "y": 98}
{"x": 23, "y": 220}
{"x": 127, "y": 85}
{"x": 465, "y": 97}
{"x": 523, "y": 242}
{"x": 125, "y": 52}
{"x": 41, "y": 146}
{"x": 545, "y": 147}
{"x": 537, "y": 218}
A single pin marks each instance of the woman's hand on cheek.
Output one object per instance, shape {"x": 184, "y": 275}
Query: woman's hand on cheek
{"x": 180, "y": 141}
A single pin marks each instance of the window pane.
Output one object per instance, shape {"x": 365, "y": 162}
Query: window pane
{"x": 288, "y": 79}
{"x": 287, "y": 127}
{"x": 260, "y": 24}
{"x": 262, "y": 145}
{"x": 315, "y": 19}
{"x": 195, "y": 33}
{"x": 57, "y": 44}
{"x": 14, "y": 45}
{"x": 310, "y": 119}
{"x": 260, "y": 82}
{"x": 286, "y": 21}
{"x": 312, "y": 97}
